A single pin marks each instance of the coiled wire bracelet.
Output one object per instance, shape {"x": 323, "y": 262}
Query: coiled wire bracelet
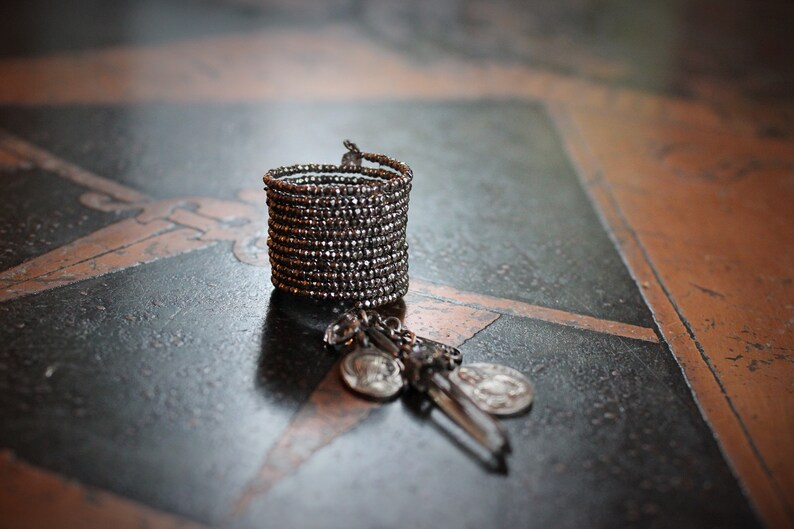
{"x": 337, "y": 232}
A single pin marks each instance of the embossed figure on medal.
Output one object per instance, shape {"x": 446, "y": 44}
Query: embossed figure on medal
{"x": 382, "y": 358}
{"x": 337, "y": 232}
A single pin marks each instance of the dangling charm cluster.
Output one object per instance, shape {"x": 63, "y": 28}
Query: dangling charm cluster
{"x": 381, "y": 358}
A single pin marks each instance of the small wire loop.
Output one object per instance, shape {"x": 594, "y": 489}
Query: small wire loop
{"x": 393, "y": 323}
{"x": 350, "y": 146}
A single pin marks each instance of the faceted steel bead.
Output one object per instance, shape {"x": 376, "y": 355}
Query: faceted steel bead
{"x": 338, "y": 232}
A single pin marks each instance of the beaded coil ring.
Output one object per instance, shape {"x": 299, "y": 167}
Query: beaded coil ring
{"x": 337, "y": 232}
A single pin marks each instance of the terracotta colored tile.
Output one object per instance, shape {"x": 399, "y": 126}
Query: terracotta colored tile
{"x": 332, "y": 410}
{"x": 45, "y": 160}
{"x": 93, "y": 259}
{"x": 705, "y": 223}
{"x": 36, "y": 499}
{"x": 98, "y": 243}
{"x": 526, "y": 310}
{"x": 273, "y": 65}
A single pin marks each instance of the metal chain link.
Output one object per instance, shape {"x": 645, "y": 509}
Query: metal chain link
{"x": 352, "y": 327}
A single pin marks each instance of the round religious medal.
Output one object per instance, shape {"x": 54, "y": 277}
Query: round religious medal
{"x": 496, "y": 389}
{"x": 372, "y": 372}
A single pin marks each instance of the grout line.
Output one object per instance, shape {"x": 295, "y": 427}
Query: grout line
{"x": 733, "y": 438}
{"x": 526, "y": 310}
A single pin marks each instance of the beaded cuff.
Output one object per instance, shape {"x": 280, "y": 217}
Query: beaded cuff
{"x": 337, "y": 232}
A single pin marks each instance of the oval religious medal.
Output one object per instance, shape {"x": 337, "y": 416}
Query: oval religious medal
{"x": 372, "y": 372}
{"x": 496, "y": 389}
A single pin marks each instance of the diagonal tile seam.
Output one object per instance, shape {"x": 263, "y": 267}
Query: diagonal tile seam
{"x": 257, "y": 78}
{"x": 330, "y": 411}
{"x": 484, "y": 329}
{"x": 335, "y": 404}
{"x": 426, "y": 289}
{"x": 69, "y": 171}
{"x": 72, "y": 172}
{"x": 510, "y": 307}
{"x": 714, "y": 404}
{"x": 10, "y": 274}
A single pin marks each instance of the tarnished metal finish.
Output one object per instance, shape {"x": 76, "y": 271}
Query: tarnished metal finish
{"x": 372, "y": 373}
{"x": 382, "y": 356}
{"x": 497, "y": 389}
{"x": 142, "y": 351}
{"x": 337, "y": 232}
{"x": 447, "y": 395}
{"x": 203, "y": 379}
{"x": 451, "y": 355}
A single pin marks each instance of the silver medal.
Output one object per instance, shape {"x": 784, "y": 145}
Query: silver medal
{"x": 382, "y": 357}
{"x": 499, "y": 390}
{"x": 372, "y": 372}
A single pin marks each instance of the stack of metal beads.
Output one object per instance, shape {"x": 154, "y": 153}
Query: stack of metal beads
{"x": 337, "y": 232}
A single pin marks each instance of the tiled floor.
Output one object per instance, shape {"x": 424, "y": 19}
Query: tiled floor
{"x": 601, "y": 201}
